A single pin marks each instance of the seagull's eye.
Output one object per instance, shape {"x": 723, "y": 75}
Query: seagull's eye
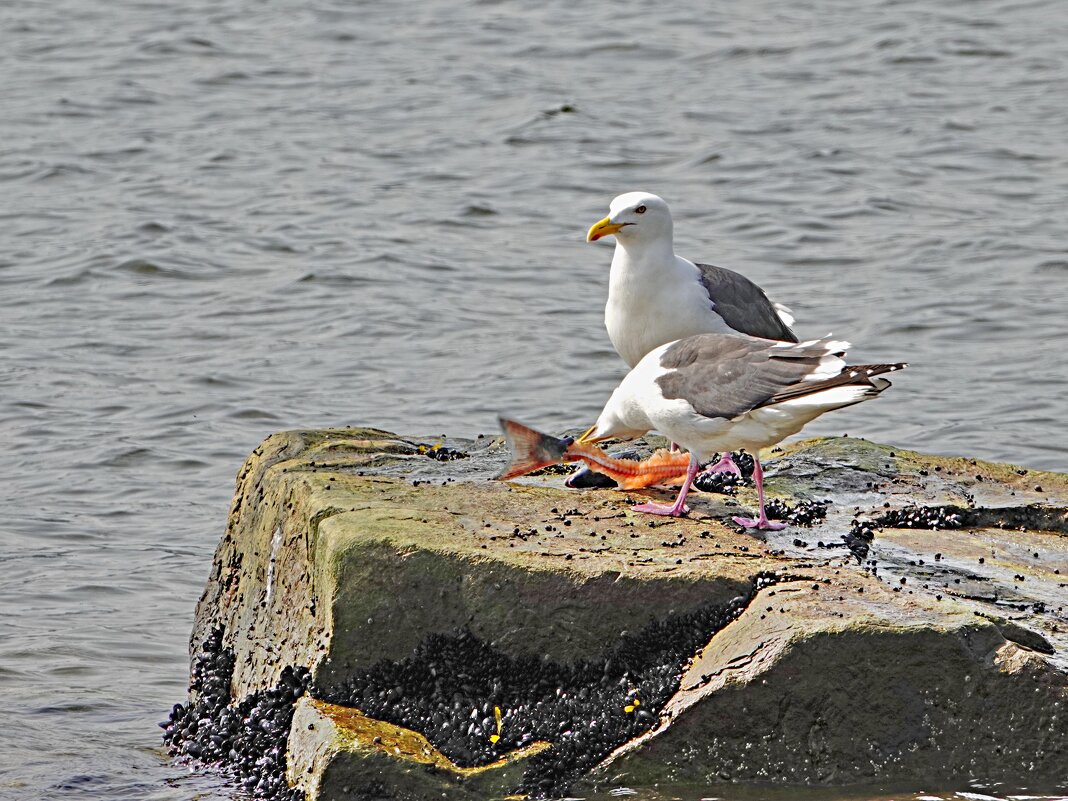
{"x": 640, "y": 210}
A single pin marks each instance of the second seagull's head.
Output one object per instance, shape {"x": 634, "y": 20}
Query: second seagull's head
{"x": 634, "y": 217}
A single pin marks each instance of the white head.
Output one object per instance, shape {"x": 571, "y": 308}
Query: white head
{"x": 634, "y": 217}
{"x": 610, "y": 425}
{"x": 622, "y": 417}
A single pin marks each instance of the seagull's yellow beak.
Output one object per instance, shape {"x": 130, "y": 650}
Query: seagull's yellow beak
{"x": 602, "y": 228}
{"x": 585, "y": 438}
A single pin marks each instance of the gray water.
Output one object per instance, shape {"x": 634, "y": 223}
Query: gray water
{"x": 222, "y": 219}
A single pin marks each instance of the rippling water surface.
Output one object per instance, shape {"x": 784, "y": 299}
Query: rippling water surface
{"x": 224, "y": 218}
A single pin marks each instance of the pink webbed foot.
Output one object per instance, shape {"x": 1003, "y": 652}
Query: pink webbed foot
{"x": 763, "y": 524}
{"x": 724, "y": 465}
{"x": 679, "y": 508}
{"x": 675, "y": 510}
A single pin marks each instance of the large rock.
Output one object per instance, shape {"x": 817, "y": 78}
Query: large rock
{"x": 847, "y": 682}
{"x": 363, "y": 557}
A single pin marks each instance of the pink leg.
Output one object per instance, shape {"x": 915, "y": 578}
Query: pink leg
{"x": 762, "y": 522}
{"x": 724, "y": 465}
{"x": 679, "y": 508}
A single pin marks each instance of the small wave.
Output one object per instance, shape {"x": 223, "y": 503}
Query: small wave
{"x": 763, "y": 51}
{"x": 977, "y": 51}
{"x": 64, "y": 170}
{"x": 478, "y": 210}
{"x": 1054, "y": 266}
{"x": 224, "y": 78}
{"x": 143, "y": 267}
{"x": 1016, "y": 155}
{"x": 121, "y": 154}
{"x": 253, "y": 414}
{"x": 184, "y": 46}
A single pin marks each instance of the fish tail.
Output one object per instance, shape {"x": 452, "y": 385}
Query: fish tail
{"x": 531, "y": 449}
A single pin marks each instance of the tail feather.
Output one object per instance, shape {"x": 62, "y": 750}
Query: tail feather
{"x": 531, "y": 450}
{"x": 862, "y": 375}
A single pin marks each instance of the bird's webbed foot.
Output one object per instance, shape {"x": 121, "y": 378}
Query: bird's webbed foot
{"x": 724, "y": 465}
{"x": 762, "y": 523}
{"x": 674, "y": 510}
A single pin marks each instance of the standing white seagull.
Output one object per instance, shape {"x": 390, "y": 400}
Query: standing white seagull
{"x": 722, "y": 392}
{"x": 655, "y": 297}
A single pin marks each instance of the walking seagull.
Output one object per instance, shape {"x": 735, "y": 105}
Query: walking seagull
{"x": 721, "y": 392}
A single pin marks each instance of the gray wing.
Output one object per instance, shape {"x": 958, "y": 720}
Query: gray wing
{"x": 743, "y": 305}
{"x": 724, "y": 375}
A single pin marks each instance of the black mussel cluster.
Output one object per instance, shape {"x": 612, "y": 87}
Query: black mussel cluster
{"x": 476, "y": 704}
{"x": 719, "y": 483}
{"x": 859, "y": 539}
{"x": 803, "y": 513}
{"x": 862, "y": 533}
{"x": 745, "y": 464}
{"x": 726, "y": 483}
{"x": 932, "y": 517}
{"x": 442, "y": 453}
{"x": 247, "y": 740}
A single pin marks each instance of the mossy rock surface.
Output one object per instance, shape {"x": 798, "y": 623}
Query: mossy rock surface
{"x": 350, "y": 549}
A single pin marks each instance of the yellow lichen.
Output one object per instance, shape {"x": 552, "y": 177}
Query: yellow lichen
{"x": 357, "y": 730}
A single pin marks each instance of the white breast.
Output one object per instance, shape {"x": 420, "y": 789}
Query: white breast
{"x": 653, "y": 301}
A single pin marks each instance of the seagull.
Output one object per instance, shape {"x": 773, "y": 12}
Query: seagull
{"x": 655, "y": 297}
{"x": 721, "y": 392}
